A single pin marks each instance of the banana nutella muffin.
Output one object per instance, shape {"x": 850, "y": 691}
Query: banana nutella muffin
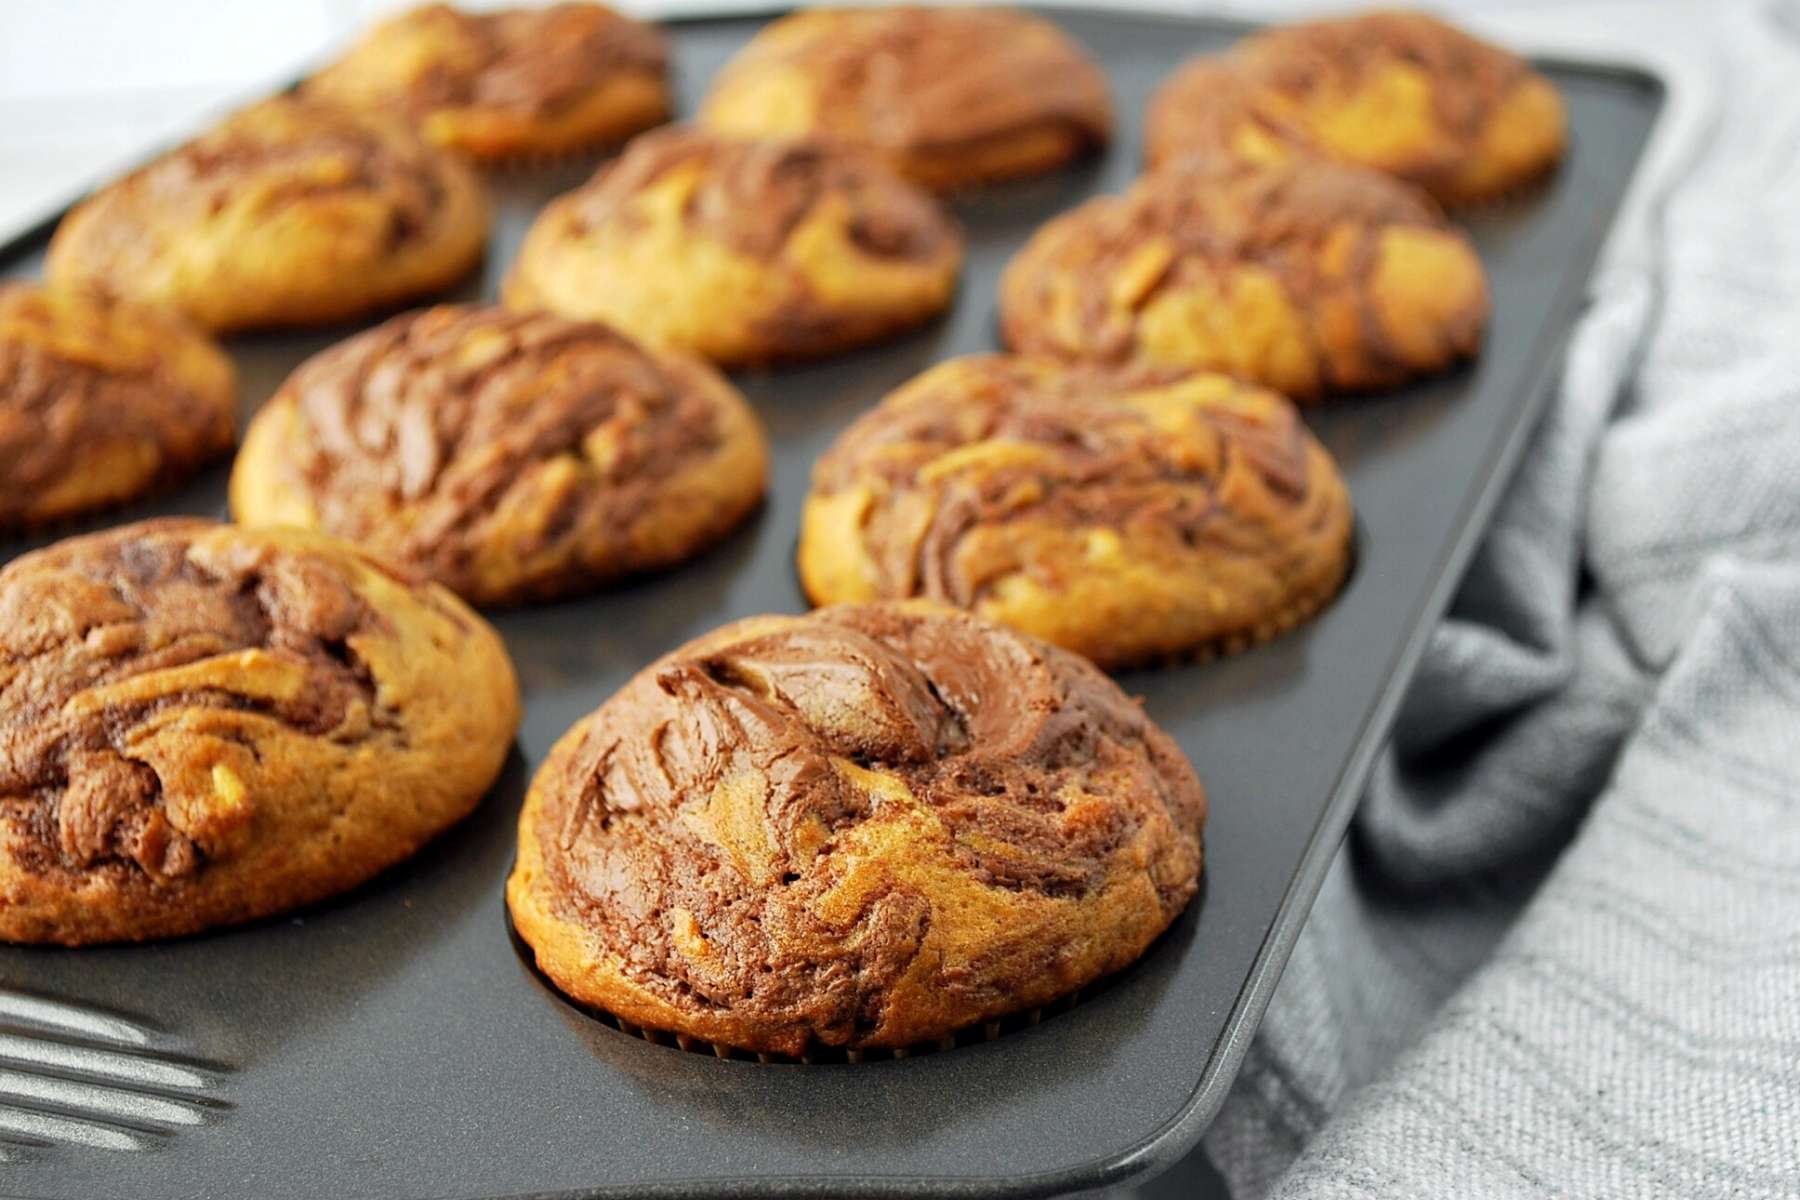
{"x": 1215, "y": 104}
{"x": 520, "y": 82}
{"x": 102, "y": 401}
{"x": 291, "y": 212}
{"x": 868, "y": 827}
{"x": 1307, "y": 277}
{"x": 742, "y": 252}
{"x": 1402, "y": 92}
{"x": 202, "y": 725}
{"x": 507, "y": 456}
{"x": 1129, "y": 516}
{"x": 950, "y": 96}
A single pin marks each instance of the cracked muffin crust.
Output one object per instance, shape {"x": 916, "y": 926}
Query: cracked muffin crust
{"x": 742, "y": 251}
{"x": 291, "y": 212}
{"x": 950, "y": 96}
{"x": 507, "y": 456}
{"x": 1128, "y": 516}
{"x": 102, "y": 401}
{"x": 201, "y": 725}
{"x": 1307, "y": 277}
{"x": 866, "y": 827}
{"x": 514, "y": 83}
{"x": 1402, "y": 92}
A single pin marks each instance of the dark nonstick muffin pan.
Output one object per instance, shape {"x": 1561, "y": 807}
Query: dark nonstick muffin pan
{"x": 393, "y": 1043}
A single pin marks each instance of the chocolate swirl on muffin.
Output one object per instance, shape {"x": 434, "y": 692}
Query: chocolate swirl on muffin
{"x": 1130, "y": 516}
{"x": 101, "y": 401}
{"x": 291, "y": 212}
{"x": 508, "y": 456}
{"x": 866, "y": 827}
{"x": 1308, "y": 277}
{"x": 950, "y": 96}
{"x": 742, "y": 251}
{"x": 1402, "y": 92}
{"x": 499, "y": 85}
{"x": 201, "y": 725}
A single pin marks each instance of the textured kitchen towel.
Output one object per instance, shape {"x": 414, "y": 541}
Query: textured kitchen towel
{"x": 1559, "y": 954}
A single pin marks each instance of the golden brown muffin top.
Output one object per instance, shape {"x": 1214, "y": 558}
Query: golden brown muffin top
{"x": 736, "y": 825}
{"x": 366, "y": 179}
{"x": 1222, "y": 209}
{"x": 78, "y": 370}
{"x": 1184, "y": 224}
{"x": 995, "y": 440}
{"x": 412, "y": 437}
{"x": 84, "y": 621}
{"x": 1399, "y": 91}
{"x": 920, "y": 79}
{"x": 1214, "y": 104}
{"x": 752, "y": 195}
{"x": 1469, "y": 76}
{"x": 531, "y": 61}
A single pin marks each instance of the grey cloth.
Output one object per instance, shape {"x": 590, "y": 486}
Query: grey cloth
{"x": 1559, "y": 954}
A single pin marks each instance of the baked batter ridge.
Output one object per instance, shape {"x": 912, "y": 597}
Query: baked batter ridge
{"x": 511, "y": 83}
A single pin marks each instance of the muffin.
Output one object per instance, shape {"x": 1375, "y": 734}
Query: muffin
{"x": 291, "y": 212}
{"x": 1128, "y": 516}
{"x": 869, "y": 827}
{"x": 950, "y": 96}
{"x": 1307, "y": 277}
{"x": 520, "y": 82}
{"x": 1401, "y": 92}
{"x": 742, "y": 252}
{"x": 202, "y": 725}
{"x": 102, "y": 401}
{"x": 509, "y": 457}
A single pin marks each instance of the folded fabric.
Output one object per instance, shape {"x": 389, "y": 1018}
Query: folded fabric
{"x": 1559, "y": 954}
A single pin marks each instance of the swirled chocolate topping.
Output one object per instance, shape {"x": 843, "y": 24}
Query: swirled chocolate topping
{"x": 1062, "y": 447}
{"x": 418, "y": 438}
{"x": 1316, "y": 226}
{"x": 1208, "y": 105}
{"x": 78, "y": 373}
{"x": 776, "y": 821}
{"x": 917, "y": 78}
{"x": 82, "y": 626}
{"x": 1469, "y": 77}
{"x": 1215, "y": 208}
{"x": 753, "y": 195}
{"x": 283, "y": 152}
{"x": 532, "y": 61}
{"x": 290, "y": 212}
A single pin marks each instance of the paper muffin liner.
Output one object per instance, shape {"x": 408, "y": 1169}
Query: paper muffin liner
{"x": 527, "y": 162}
{"x": 821, "y": 1054}
{"x": 991, "y": 1030}
{"x": 1518, "y": 192}
{"x": 592, "y": 151}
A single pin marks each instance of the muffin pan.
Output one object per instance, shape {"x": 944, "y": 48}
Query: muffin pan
{"x": 394, "y": 1043}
